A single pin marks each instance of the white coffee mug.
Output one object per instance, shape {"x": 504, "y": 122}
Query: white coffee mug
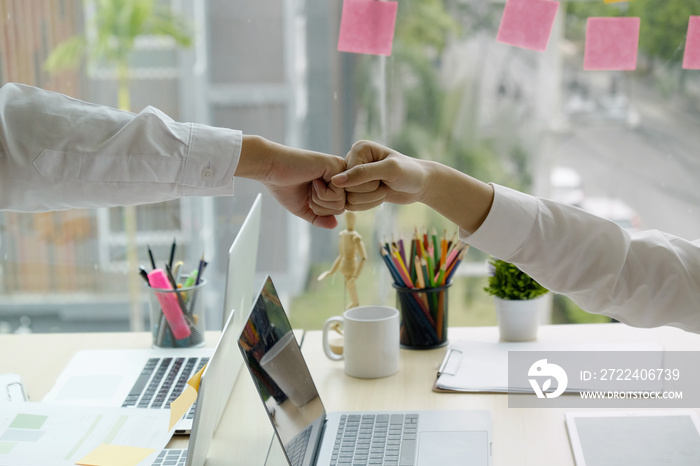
{"x": 370, "y": 341}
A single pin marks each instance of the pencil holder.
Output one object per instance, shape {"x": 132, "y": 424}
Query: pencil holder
{"x": 423, "y": 316}
{"x": 177, "y": 316}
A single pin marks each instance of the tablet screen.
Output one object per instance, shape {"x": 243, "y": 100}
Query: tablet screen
{"x": 640, "y": 438}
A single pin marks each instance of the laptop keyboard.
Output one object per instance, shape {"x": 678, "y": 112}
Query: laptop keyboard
{"x": 171, "y": 458}
{"x": 161, "y": 381}
{"x": 375, "y": 439}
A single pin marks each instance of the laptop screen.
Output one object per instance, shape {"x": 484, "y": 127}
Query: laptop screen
{"x": 242, "y": 261}
{"x": 281, "y": 376}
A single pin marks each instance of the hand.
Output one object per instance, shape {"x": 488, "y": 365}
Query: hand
{"x": 298, "y": 179}
{"x": 379, "y": 174}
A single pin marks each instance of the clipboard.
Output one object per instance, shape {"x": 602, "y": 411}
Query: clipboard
{"x": 12, "y": 389}
{"x": 472, "y": 366}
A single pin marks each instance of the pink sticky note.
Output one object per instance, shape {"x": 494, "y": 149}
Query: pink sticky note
{"x": 611, "y": 44}
{"x": 367, "y": 26}
{"x": 527, "y": 23}
{"x": 691, "y": 57}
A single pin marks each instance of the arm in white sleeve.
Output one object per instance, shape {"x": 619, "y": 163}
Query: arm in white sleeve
{"x": 646, "y": 279}
{"x": 60, "y": 153}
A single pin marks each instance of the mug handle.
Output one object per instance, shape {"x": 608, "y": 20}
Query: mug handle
{"x": 326, "y": 347}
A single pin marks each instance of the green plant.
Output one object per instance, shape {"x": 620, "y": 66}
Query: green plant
{"x": 118, "y": 23}
{"x": 509, "y": 282}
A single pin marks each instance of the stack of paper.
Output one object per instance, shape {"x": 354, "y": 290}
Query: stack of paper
{"x": 37, "y": 434}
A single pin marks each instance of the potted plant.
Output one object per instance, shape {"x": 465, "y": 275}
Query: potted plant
{"x": 519, "y": 301}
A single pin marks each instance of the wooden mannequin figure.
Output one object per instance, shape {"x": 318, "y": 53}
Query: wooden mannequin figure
{"x": 351, "y": 259}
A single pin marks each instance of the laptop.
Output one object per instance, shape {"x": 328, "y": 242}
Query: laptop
{"x": 243, "y": 255}
{"x": 215, "y": 388}
{"x": 311, "y": 436}
{"x": 152, "y": 378}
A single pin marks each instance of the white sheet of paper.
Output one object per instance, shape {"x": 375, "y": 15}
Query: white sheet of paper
{"x": 37, "y": 434}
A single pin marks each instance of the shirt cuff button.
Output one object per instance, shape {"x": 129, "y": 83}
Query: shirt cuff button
{"x": 207, "y": 174}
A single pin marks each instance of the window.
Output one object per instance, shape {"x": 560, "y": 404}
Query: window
{"x": 449, "y": 92}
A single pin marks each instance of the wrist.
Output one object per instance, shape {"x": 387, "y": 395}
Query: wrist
{"x": 255, "y": 157}
{"x": 433, "y": 186}
{"x": 459, "y": 197}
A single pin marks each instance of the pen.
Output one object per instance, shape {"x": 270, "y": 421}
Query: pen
{"x": 202, "y": 264}
{"x": 150, "y": 255}
{"x": 172, "y": 254}
{"x": 144, "y": 275}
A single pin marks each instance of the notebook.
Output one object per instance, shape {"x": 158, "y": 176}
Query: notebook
{"x": 311, "y": 436}
{"x": 152, "y": 378}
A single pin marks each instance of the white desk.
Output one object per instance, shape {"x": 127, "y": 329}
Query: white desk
{"x": 521, "y": 436}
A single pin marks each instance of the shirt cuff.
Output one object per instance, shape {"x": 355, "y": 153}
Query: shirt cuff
{"x": 211, "y": 161}
{"x": 507, "y": 225}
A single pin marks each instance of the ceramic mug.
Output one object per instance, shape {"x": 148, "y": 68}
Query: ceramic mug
{"x": 370, "y": 341}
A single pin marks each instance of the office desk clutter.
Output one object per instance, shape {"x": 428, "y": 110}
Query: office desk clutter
{"x": 422, "y": 272}
{"x": 175, "y": 303}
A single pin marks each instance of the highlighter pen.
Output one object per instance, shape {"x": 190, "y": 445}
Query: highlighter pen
{"x": 169, "y": 304}
{"x": 191, "y": 279}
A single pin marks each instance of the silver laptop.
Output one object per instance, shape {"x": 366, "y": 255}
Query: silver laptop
{"x": 240, "y": 275}
{"x": 152, "y": 378}
{"x": 310, "y": 436}
{"x": 215, "y": 388}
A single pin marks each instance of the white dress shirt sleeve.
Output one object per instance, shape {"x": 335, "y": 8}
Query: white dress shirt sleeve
{"x": 58, "y": 153}
{"x": 645, "y": 279}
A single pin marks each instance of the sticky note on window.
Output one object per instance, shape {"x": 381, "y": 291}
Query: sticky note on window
{"x": 115, "y": 455}
{"x": 367, "y": 26}
{"x": 611, "y": 44}
{"x": 691, "y": 56}
{"x": 527, "y": 23}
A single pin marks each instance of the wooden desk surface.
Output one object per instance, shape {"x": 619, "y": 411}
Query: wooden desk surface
{"x": 520, "y": 436}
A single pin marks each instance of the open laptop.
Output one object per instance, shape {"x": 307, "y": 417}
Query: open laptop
{"x": 152, "y": 378}
{"x": 310, "y": 436}
{"x": 215, "y": 388}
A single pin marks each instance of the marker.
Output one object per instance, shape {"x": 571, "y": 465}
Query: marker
{"x": 169, "y": 304}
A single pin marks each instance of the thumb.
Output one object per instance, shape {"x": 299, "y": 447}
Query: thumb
{"x": 358, "y": 175}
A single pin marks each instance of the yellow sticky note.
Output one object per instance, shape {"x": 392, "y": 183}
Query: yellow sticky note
{"x": 115, "y": 455}
{"x": 181, "y": 404}
{"x": 197, "y": 379}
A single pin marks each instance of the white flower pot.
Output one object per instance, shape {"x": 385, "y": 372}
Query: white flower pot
{"x": 519, "y": 320}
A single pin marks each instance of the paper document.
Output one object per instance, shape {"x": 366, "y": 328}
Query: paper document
{"x": 483, "y": 366}
{"x": 11, "y": 389}
{"x": 38, "y": 434}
